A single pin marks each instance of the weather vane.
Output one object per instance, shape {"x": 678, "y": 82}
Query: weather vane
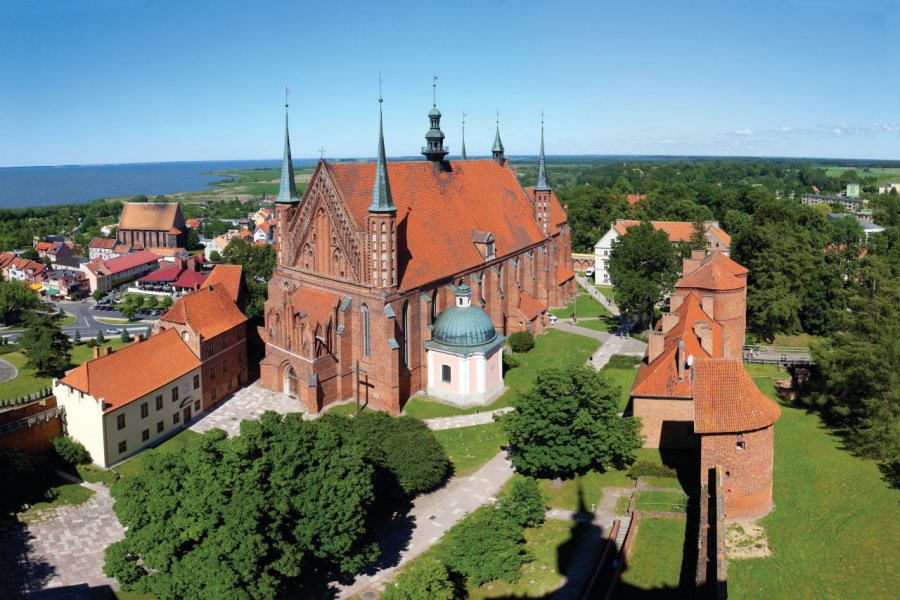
{"x": 434, "y": 79}
{"x": 380, "y": 99}
{"x": 464, "y": 119}
{"x": 498, "y": 115}
{"x": 321, "y": 152}
{"x": 287, "y": 93}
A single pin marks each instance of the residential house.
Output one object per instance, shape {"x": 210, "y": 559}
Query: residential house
{"x": 121, "y": 402}
{"x": 265, "y": 233}
{"x": 107, "y": 248}
{"x": 106, "y": 274}
{"x": 70, "y": 284}
{"x": 29, "y": 271}
{"x": 679, "y": 232}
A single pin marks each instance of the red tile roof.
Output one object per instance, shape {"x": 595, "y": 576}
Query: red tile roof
{"x": 6, "y": 259}
{"x": 720, "y": 233}
{"x": 228, "y": 276}
{"x": 563, "y": 274}
{"x": 167, "y": 274}
{"x": 189, "y": 279}
{"x": 245, "y": 233}
{"x": 660, "y": 377}
{"x": 193, "y": 223}
{"x": 319, "y": 306}
{"x": 530, "y": 308}
{"x": 475, "y": 195}
{"x": 208, "y": 312}
{"x": 129, "y": 261}
{"x": 135, "y": 370}
{"x": 726, "y": 400}
{"x": 635, "y": 198}
{"x": 715, "y": 272}
{"x": 43, "y": 246}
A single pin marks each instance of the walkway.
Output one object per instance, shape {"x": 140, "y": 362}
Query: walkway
{"x": 482, "y": 418}
{"x": 431, "y": 517}
{"x": 247, "y": 403}
{"x": 602, "y": 299}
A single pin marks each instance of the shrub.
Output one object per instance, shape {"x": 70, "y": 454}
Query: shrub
{"x": 525, "y": 504}
{"x": 486, "y": 546}
{"x": 621, "y": 361}
{"x": 423, "y": 580}
{"x": 70, "y": 450}
{"x": 645, "y": 468}
{"x": 510, "y": 361}
{"x": 521, "y": 341}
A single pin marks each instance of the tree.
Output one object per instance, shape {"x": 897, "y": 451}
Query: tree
{"x": 423, "y": 580}
{"x": 643, "y": 267}
{"x": 77, "y": 338}
{"x": 215, "y": 257}
{"x": 15, "y": 297}
{"x": 258, "y": 262}
{"x": 124, "y": 337}
{"x": 31, "y": 254}
{"x": 70, "y": 450}
{"x": 100, "y": 337}
{"x": 48, "y": 349}
{"x": 486, "y": 546}
{"x": 148, "y": 332}
{"x": 129, "y": 310}
{"x": 285, "y": 498}
{"x": 568, "y": 423}
{"x": 525, "y": 504}
{"x": 521, "y": 341}
{"x": 193, "y": 240}
{"x": 149, "y": 302}
{"x": 166, "y": 302}
{"x": 97, "y": 294}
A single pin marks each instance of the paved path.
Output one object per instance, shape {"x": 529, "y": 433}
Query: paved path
{"x": 431, "y": 517}
{"x": 609, "y": 304}
{"x": 7, "y": 371}
{"x": 483, "y": 418}
{"x": 247, "y": 403}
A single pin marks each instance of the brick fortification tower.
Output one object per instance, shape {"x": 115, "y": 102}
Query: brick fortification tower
{"x": 692, "y": 391}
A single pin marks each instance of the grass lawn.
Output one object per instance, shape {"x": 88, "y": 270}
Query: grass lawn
{"x": 661, "y": 501}
{"x": 586, "y": 307}
{"x": 66, "y": 320}
{"x": 26, "y": 382}
{"x": 347, "y": 410}
{"x": 470, "y": 447}
{"x": 800, "y": 340}
{"x": 59, "y": 492}
{"x": 552, "y": 349}
{"x": 832, "y": 533}
{"x": 604, "y": 325}
{"x": 655, "y": 559}
{"x": 176, "y": 443}
{"x": 95, "y": 474}
{"x": 609, "y": 292}
{"x": 621, "y": 374}
{"x": 621, "y": 505}
{"x": 582, "y": 491}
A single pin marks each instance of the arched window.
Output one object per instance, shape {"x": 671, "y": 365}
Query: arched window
{"x": 365, "y": 329}
{"x": 406, "y": 333}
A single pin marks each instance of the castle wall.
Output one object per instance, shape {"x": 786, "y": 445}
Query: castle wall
{"x": 747, "y": 468}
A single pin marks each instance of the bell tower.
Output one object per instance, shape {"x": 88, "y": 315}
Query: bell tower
{"x": 542, "y": 191}
{"x": 287, "y": 201}
{"x": 434, "y": 149}
{"x": 497, "y": 151}
{"x": 381, "y": 222}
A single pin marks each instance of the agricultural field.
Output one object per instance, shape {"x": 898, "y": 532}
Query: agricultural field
{"x": 882, "y": 173}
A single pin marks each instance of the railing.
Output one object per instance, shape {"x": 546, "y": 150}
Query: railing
{"x": 775, "y": 349}
{"x": 32, "y": 420}
{"x": 427, "y": 150}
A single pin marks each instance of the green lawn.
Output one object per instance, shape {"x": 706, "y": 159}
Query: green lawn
{"x": 95, "y": 474}
{"x": 621, "y": 374}
{"x": 66, "y": 320}
{"x": 654, "y": 562}
{"x": 552, "y": 349}
{"x": 609, "y": 292}
{"x": 834, "y": 532}
{"x": 800, "y": 340}
{"x": 586, "y": 307}
{"x": 661, "y": 501}
{"x": 603, "y": 324}
{"x": 347, "y": 410}
{"x": 470, "y": 447}
{"x": 26, "y": 382}
{"x": 176, "y": 443}
{"x": 59, "y": 492}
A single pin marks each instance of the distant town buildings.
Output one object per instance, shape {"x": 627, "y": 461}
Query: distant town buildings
{"x": 679, "y": 232}
{"x": 105, "y": 274}
{"x": 107, "y": 248}
{"x": 850, "y": 204}
{"x": 853, "y": 190}
{"x": 152, "y": 225}
{"x": 890, "y": 186}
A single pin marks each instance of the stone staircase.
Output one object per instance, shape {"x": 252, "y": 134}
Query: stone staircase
{"x": 624, "y": 526}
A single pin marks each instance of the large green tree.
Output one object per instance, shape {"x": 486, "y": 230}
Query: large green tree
{"x": 423, "y": 580}
{"x": 242, "y": 517}
{"x": 15, "y": 297}
{"x": 643, "y": 266}
{"x": 48, "y": 349}
{"x": 258, "y": 262}
{"x": 568, "y": 423}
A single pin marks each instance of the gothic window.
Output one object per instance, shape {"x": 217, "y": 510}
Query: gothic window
{"x": 365, "y": 329}
{"x": 406, "y": 334}
{"x": 434, "y": 306}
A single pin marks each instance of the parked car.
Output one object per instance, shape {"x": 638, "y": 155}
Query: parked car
{"x": 553, "y": 319}
{"x": 589, "y": 272}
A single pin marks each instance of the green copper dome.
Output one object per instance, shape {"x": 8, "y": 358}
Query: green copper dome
{"x": 464, "y": 325}
{"x": 434, "y": 112}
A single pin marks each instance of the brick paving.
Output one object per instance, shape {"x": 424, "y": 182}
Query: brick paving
{"x": 247, "y": 403}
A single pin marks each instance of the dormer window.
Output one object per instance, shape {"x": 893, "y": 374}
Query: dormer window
{"x": 484, "y": 242}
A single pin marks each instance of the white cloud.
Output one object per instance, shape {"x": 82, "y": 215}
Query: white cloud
{"x": 744, "y": 132}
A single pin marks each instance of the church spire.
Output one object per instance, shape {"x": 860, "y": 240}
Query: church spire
{"x": 382, "y": 201}
{"x": 497, "y": 149}
{"x": 462, "y": 155}
{"x": 542, "y": 183}
{"x": 288, "y": 190}
{"x": 434, "y": 150}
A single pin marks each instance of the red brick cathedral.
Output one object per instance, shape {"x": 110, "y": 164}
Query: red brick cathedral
{"x": 369, "y": 256}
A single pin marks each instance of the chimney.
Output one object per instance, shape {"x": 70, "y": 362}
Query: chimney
{"x": 680, "y": 358}
{"x": 139, "y": 338}
{"x": 704, "y": 333}
{"x": 675, "y": 302}
{"x": 108, "y": 351}
{"x": 669, "y": 320}
{"x": 708, "y": 306}
{"x": 96, "y": 351}
{"x": 655, "y": 347}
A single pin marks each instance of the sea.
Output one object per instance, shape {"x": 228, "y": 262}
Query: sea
{"x": 68, "y": 184}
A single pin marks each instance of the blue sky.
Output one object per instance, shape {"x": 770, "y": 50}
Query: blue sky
{"x": 109, "y": 81}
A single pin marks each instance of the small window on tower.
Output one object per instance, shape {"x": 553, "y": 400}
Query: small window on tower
{"x": 740, "y": 445}
{"x": 446, "y": 373}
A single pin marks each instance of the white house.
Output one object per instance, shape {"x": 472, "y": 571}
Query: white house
{"x": 121, "y": 402}
{"x": 678, "y": 231}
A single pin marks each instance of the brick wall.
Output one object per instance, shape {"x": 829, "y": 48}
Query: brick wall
{"x": 666, "y": 423}
{"x": 37, "y": 437}
{"x": 746, "y": 470}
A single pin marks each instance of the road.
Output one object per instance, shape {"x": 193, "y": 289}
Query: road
{"x": 86, "y": 323}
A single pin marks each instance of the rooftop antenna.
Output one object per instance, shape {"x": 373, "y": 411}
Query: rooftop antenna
{"x": 321, "y": 152}
{"x": 287, "y": 92}
{"x": 498, "y": 116}
{"x": 434, "y": 79}
{"x": 380, "y": 99}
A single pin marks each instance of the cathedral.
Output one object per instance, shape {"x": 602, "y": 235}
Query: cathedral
{"x": 373, "y": 253}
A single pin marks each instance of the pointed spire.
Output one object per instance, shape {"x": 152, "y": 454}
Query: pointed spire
{"x": 542, "y": 183}
{"x": 382, "y": 201}
{"x": 462, "y": 155}
{"x": 497, "y": 149}
{"x": 288, "y": 190}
